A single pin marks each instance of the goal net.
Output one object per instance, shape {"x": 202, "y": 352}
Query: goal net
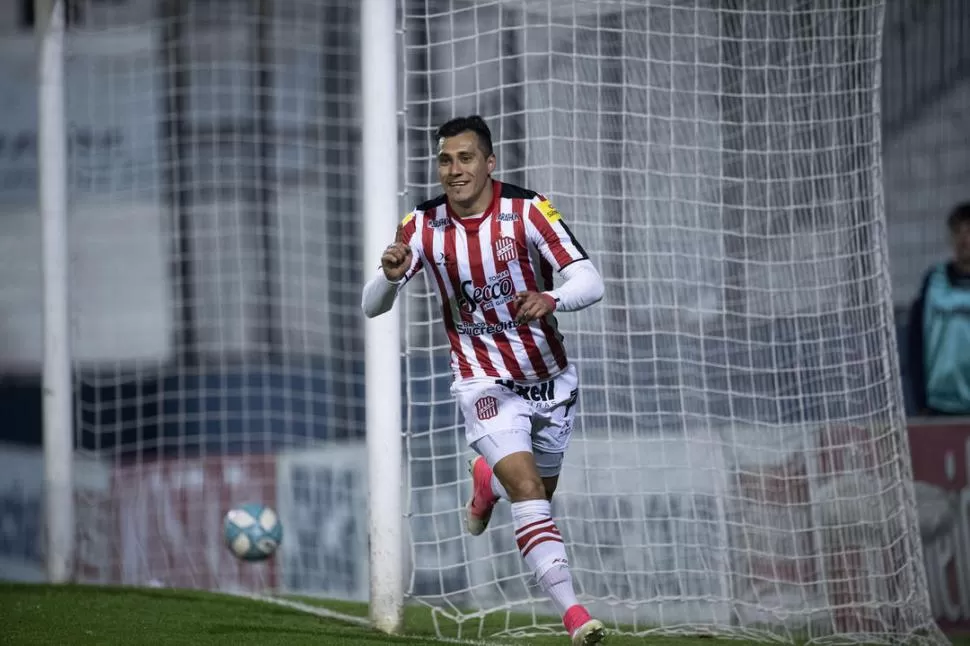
{"x": 740, "y": 460}
{"x": 214, "y": 262}
{"x": 739, "y": 464}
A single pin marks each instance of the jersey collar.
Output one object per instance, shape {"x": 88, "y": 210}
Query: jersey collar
{"x": 472, "y": 224}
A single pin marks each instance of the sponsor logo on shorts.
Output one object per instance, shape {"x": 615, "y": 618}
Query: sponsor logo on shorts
{"x": 565, "y": 428}
{"x": 486, "y": 407}
{"x": 541, "y": 392}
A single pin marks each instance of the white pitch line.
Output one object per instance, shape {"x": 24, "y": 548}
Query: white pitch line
{"x": 326, "y": 613}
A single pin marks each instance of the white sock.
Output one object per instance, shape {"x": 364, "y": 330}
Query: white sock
{"x": 558, "y": 584}
{"x": 498, "y": 489}
{"x": 542, "y": 549}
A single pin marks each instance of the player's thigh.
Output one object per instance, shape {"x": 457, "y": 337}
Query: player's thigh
{"x": 498, "y": 426}
{"x": 496, "y": 447}
{"x": 509, "y": 454}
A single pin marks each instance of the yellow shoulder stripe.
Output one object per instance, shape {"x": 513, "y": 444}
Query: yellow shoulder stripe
{"x": 407, "y": 218}
{"x": 548, "y": 210}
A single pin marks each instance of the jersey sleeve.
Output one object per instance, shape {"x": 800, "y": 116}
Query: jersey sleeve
{"x": 549, "y": 234}
{"x": 407, "y": 233}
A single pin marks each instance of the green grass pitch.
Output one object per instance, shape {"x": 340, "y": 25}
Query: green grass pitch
{"x": 105, "y": 616}
{"x": 108, "y": 616}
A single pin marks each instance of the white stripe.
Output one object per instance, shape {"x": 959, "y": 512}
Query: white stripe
{"x": 489, "y": 270}
{"x": 525, "y": 363}
{"x": 531, "y": 528}
{"x": 449, "y": 299}
{"x": 535, "y": 539}
{"x": 534, "y": 257}
{"x": 464, "y": 273}
{"x": 508, "y": 230}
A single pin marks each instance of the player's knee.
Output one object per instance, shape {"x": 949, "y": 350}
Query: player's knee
{"x": 526, "y": 489}
{"x": 517, "y": 473}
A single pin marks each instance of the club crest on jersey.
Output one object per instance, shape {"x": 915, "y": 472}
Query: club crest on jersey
{"x": 486, "y": 407}
{"x": 504, "y": 249}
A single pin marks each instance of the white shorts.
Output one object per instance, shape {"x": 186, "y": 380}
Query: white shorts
{"x": 503, "y": 417}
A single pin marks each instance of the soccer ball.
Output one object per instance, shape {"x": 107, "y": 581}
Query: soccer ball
{"x": 253, "y": 531}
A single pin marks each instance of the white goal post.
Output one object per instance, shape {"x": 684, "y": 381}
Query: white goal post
{"x": 739, "y": 464}
{"x": 379, "y": 73}
{"x": 52, "y": 202}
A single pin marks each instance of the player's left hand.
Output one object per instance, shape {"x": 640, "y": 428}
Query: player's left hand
{"x": 530, "y": 306}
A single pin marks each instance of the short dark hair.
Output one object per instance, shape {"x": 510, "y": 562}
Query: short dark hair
{"x": 474, "y": 124}
{"x": 959, "y": 215}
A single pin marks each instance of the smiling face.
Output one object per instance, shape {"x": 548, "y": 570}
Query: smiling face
{"x": 465, "y": 171}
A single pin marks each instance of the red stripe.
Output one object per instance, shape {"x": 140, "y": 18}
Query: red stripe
{"x": 525, "y": 534}
{"x": 427, "y": 241}
{"x": 526, "y": 528}
{"x": 525, "y": 266}
{"x": 454, "y": 277}
{"x": 407, "y": 232}
{"x": 549, "y": 234}
{"x": 544, "y": 539}
{"x": 523, "y": 541}
{"x": 501, "y": 339}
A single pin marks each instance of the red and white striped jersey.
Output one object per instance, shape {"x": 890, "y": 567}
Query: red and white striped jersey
{"x": 479, "y": 265}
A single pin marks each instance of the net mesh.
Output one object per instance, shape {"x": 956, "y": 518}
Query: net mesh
{"x": 739, "y": 464}
{"x": 215, "y": 278}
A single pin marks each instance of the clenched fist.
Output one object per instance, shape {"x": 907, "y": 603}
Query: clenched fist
{"x": 531, "y": 306}
{"x": 397, "y": 258}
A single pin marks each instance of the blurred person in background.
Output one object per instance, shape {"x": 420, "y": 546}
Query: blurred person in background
{"x": 939, "y": 328}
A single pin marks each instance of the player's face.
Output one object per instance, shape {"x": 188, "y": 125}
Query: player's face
{"x": 961, "y": 243}
{"x": 464, "y": 171}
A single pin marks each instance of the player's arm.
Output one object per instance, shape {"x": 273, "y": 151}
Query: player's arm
{"x": 582, "y": 284}
{"x": 399, "y": 263}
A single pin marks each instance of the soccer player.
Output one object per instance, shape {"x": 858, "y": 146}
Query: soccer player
{"x": 491, "y": 249}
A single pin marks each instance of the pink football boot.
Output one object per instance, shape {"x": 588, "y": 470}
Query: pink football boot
{"x": 479, "y": 509}
{"x": 583, "y": 629}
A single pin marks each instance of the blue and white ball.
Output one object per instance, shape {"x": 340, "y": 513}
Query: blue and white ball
{"x": 253, "y": 531}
